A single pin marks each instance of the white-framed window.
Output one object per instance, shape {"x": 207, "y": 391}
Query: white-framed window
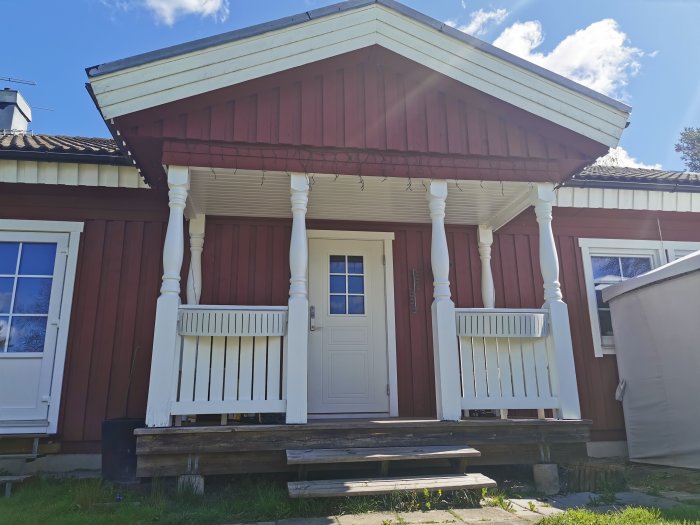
{"x": 38, "y": 262}
{"x": 610, "y": 261}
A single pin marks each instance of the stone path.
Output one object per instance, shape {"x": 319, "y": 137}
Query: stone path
{"x": 522, "y": 512}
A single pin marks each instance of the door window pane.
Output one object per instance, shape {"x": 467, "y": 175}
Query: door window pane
{"x": 8, "y": 257}
{"x": 6, "y": 284}
{"x": 37, "y": 258}
{"x": 347, "y": 285}
{"x": 356, "y": 284}
{"x": 32, "y": 295}
{"x": 4, "y": 331}
{"x": 25, "y": 294}
{"x": 337, "y": 264}
{"x": 337, "y": 304}
{"x": 356, "y": 304}
{"x": 337, "y": 284}
{"x": 355, "y": 264}
{"x": 27, "y": 334}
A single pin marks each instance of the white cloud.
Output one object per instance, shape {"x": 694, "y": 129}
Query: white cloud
{"x": 168, "y": 11}
{"x": 597, "y": 56}
{"x": 479, "y": 21}
{"x": 620, "y": 157}
{"x": 464, "y": 4}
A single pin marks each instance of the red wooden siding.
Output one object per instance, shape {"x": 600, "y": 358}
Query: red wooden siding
{"x": 118, "y": 276}
{"x": 516, "y": 275}
{"x": 369, "y": 111}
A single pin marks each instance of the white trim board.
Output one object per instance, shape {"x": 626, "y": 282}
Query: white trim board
{"x": 189, "y": 74}
{"x": 70, "y": 174}
{"x": 660, "y": 252}
{"x": 387, "y": 238}
{"x": 617, "y": 199}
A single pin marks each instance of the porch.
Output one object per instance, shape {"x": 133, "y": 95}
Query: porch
{"x": 223, "y": 360}
{"x": 246, "y": 449}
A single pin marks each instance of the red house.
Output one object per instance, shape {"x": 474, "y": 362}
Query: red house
{"x": 358, "y": 219}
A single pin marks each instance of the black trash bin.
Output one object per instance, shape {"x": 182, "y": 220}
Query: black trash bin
{"x": 119, "y": 448}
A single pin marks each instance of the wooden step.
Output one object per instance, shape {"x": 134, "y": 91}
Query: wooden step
{"x": 367, "y": 487}
{"x": 357, "y": 455}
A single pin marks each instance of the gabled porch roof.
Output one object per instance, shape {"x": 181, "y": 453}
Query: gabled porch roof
{"x": 193, "y": 68}
{"x": 369, "y": 87}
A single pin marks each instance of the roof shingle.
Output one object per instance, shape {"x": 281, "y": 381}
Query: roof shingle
{"x": 58, "y": 147}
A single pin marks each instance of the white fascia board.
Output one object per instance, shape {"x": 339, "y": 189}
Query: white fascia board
{"x": 182, "y": 76}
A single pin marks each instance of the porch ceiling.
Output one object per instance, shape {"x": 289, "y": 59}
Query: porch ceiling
{"x": 345, "y": 197}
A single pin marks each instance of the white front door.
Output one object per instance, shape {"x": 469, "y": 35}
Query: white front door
{"x": 32, "y": 271}
{"x": 348, "y": 367}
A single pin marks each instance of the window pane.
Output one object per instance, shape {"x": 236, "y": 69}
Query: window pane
{"x": 8, "y": 257}
{"x": 337, "y": 304}
{"x": 606, "y": 268}
{"x": 605, "y": 322}
{"x": 337, "y": 284}
{"x": 5, "y": 294}
{"x": 356, "y": 304}
{"x": 32, "y": 295}
{"x": 4, "y": 331}
{"x": 27, "y": 334}
{"x": 337, "y": 263}
{"x": 37, "y": 258}
{"x": 633, "y": 266}
{"x": 355, "y": 264}
{"x": 356, "y": 284}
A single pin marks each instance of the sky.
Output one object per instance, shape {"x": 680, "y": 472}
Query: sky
{"x": 642, "y": 52}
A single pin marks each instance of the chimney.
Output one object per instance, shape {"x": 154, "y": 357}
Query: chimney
{"x": 15, "y": 113}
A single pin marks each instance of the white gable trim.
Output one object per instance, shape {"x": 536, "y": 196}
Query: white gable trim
{"x": 177, "y": 77}
{"x": 70, "y": 174}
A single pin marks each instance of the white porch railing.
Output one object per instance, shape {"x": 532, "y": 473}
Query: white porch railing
{"x": 506, "y": 359}
{"x": 231, "y": 360}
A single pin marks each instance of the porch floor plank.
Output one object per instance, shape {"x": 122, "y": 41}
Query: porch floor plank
{"x": 368, "y": 487}
{"x": 356, "y": 455}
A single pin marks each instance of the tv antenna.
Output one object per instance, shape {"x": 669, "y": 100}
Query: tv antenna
{"x": 18, "y": 81}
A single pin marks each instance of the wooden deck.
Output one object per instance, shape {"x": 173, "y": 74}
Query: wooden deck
{"x": 237, "y": 449}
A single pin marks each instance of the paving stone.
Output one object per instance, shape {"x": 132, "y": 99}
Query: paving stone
{"x": 431, "y": 516}
{"x": 570, "y": 501}
{"x": 373, "y": 518}
{"x": 540, "y": 507}
{"x": 679, "y": 496}
{"x": 490, "y": 515}
{"x": 635, "y": 498}
{"x": 330, "y": 520}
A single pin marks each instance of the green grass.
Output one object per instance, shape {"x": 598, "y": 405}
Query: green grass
{"x": 682, "y": 515}
{"x": 260, "y": 498}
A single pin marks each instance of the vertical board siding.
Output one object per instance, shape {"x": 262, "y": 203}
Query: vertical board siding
{"x": 370, "y": 98}
{"x": 117, "y": 280}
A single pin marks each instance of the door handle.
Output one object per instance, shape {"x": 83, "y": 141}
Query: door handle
{"x": 312, "y": 318}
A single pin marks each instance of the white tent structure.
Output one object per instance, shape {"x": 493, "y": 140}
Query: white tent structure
{"x": 656, "y": 325}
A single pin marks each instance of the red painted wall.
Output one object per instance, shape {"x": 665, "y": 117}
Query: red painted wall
{"x": 110, "y": 339}
{"x": 370, "y": 111}
{"x": 245, "y": 261}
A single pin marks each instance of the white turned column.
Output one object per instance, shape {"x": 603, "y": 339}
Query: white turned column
{"x": 164, "y": 360}
{"x": 445, "y": 350}
{"x": 488, "y": 292}
{"x": 296, "y": 357}
{"x": 194, "y": 276}
{"x": 560, "y": 348}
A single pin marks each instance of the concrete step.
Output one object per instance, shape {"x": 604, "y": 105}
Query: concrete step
{"x": 368, "y": 487}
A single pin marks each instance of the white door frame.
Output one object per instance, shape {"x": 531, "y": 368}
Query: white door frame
{"x": 387, "y": 238}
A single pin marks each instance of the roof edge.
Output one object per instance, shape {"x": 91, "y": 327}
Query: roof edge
{"x": 238, "y": 34}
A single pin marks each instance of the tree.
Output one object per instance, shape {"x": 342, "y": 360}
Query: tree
{"x": 689, "y": 148}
